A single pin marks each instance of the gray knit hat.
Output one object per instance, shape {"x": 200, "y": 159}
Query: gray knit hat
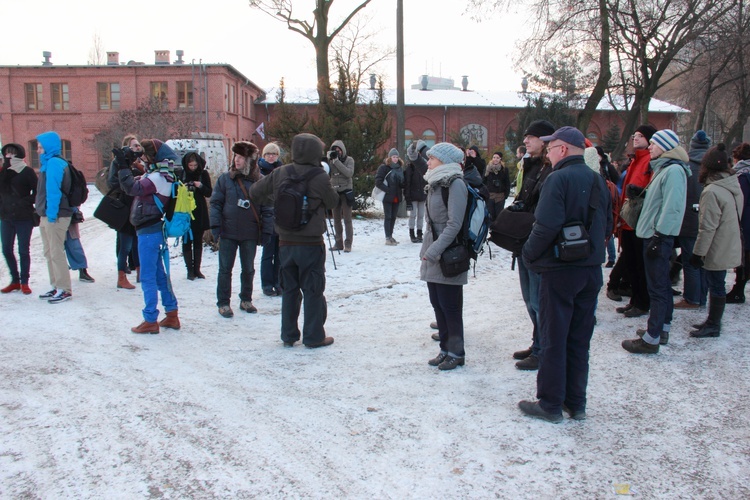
{"x": 393, "y": 152}
{"x": 446, "y": 153}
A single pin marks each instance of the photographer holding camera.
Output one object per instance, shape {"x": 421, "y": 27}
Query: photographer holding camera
{"x": 238, "y": 223}
{"x": 342, "y": 171}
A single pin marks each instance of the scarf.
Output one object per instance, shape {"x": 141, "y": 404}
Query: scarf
{"x": 17, "y": 164}
{"x": 742, "y": 167}
{"x": 439, "y": 175}
{"x": 493, "y": 169}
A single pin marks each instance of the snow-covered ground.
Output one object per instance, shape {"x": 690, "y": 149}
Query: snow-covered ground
{"x": 220, "y": 409}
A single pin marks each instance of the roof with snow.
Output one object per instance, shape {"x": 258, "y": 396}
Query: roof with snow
{"x": 453, "y": 97}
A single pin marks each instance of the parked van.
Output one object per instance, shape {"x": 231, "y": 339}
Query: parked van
{"x": 209, "y": 146}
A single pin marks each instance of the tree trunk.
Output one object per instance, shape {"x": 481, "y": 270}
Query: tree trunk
{"x": 587, "y": 113}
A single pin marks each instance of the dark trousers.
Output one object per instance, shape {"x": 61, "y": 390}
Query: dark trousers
{"x": 269, "y": 263}
{"x": 192, "y": 250}
{"x": 11, "y": 231}
{"x": 632, "y": 255}
{"x": 227, "y": 255}
{"x": 448, "y": 303}
{"x": 390, "y": 210}
{"x": 132, "y": 257}
{"x": 529, "y": 281}
{"x": 659, "y": 290}
{"x": 124, "y": 247}
{"x": 567, "y": 305}
{"x": 303, "y": 275}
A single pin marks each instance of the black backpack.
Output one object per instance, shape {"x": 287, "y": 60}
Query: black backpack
{"x": 291, "y": 206}
{"x": 79, "y": 189}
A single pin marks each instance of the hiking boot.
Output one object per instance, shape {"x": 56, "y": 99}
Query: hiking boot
{"x": 438, "y": 359}
{"x": 663, "y": 338}
{"x": 122, "y": 281}
{"x": 11, "y": 288}
{"x": 639, "y": 346}
{"x": 624, "y": 309}
{"x": 533, "y": 409}
{"x": 226, "y": 311}
{"x": 435, "y": 336}
{"x": 146, "y": 327}
{"x": 612, "y": 295}
{"x": 575, "y": 414}
{"x": 325, "y": 342}
{"x": 25, "y": 289}
{"x": 451, "y": 362}
{"x": 171, "y": 321}
{"x": 393, "y": 241}
{"x": 634, "y": 312}
{"x": 522, "y": 354}
{"x": 48, "y": 295}
{"x": 60, "y": 296}
{"x": 84, "y": 276}
{"x": 390, "y": 242}
{"x": 530, "y": 363}
{"x": 248, "y": 306}
{"x": 684, "y": 304}
{"x": 433, "y": 325}
{"x": 347, "y": 247}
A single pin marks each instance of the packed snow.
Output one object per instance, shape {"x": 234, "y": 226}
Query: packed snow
{"x": 219, "y": 409}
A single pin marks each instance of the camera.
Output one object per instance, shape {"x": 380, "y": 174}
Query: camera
{"x": 333, "y": 154}
{"x": 518, "y": 206}
{"x": 191, "y": 186}
{"x": 130, "y": 155}
{"x": 243, "y": 204}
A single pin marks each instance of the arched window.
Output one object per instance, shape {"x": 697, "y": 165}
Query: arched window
{"x": 475, "y": 134}
{"x": 429, "y": 137}
{"x": 408, "y": 137}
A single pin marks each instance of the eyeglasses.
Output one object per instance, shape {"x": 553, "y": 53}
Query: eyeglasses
{"x": 640, "y": 136}
{"x": 271, "y": 154}
{"x": 550, "y": 148}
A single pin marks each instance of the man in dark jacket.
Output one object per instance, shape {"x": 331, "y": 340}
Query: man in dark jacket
{"x": 568, "y": 290}
{"x": 238, "y": 223}
{"x": 302, "y": 252}
{"x": 535, "y": 170}
{"x": 414, "y": 185}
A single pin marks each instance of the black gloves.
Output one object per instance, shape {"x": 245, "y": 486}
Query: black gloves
{"x": 696, "y": 261}
{"x": 653, "y": 246}
{"x": 518, "y": 206}
{"x": 124, "y": 157}
{"x": 632, "y": 191}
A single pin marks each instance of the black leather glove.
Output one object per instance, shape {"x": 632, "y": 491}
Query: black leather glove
{"x": 653, "y": 246}
{"x": 632, "y": 191}
{"x": 696, "y": 261}
{"x": 517, "y": 206}
{"x": 121, "y": 158}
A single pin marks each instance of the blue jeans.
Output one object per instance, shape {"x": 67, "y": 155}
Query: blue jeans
{"x": 530, "y": 293}
{"x": 611, "y": 250}
{"x": 154, "y": 278}
{"x": 123, "y": 250}
{"x": 717, "y": 283}
{"x": 448, "y": 303}
{"x": 269, "y": 263}
{"x": 659, "y": 289}
{"x": 20, "y": 230}
{"x": 227, "y": 255}
{"x": 74, "y": 252}
{"x": 303, "y": 274}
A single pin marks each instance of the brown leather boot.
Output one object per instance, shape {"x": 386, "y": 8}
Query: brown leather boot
{"x": 171, "y": 321}
{"x": 122, "y": 281}
{"x": 146, "y": 327}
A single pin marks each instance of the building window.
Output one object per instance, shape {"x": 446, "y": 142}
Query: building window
{"x": 108, "y": 95}
{"x": 408, "y": 137}
{"x": 230, "y": 99}
{"x": 60, "y": 97}
{"x": 34, "y": 97}
{"x": 246, "y": 104}
{"x": 159, "y": 92}
{"x": 33, "y": 155}
{"x": 475, "y": 135}
{"x": 184, "y": 94}
{"x": 66, "y": 152}
{"x": 429, "y": 136}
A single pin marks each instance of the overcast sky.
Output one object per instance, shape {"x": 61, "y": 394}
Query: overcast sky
{"x": 440, "y": 39}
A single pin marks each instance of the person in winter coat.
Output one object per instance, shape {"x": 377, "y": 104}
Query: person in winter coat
{"x": 126, "y": 243}
{"x": 302, "y": 251}
{"x": 659, "y": 223}
{"x": 148, "y": 220}
{"x": 719, "y": 243}
{"x": 568, "y": 290}
{"x": 237, "y": 222}
{"x": 443, "y": 225}
{"x": 197, "y": 179}
{"x": 342, "y": 171}
{"x": 694, "y": 279}
{"x": 606, "y": 169}
{"x": 741, "y": 159}
{"x": 474, "y": 159}
{"x": 390, "y": 178}
{"x": 414, "y": 185}
{"x": 55, "y": 212}
{"x": 18, "y": 184}
{"x": 497, "y": 181}
{"x": 270, "y": 263}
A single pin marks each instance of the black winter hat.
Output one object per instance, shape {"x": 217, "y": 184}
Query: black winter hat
{"x": 244, "y": 148}
{"x": 646, "y": 131}
{"x": 540, "y": 128}
{"x": 20, "y": 151}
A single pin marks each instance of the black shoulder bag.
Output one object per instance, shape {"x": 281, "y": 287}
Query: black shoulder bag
{"x": 574, "y": 242}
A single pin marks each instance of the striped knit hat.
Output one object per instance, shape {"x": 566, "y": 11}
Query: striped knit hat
{"x": 666, "y": 139}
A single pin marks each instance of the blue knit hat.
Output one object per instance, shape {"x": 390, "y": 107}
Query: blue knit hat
{"x": 446, "y": 153}
{"x": 666, "y": 139}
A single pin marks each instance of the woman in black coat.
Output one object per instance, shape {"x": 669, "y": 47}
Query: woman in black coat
{"x": 390, "y": 178}
{"x": 197, "y": 179}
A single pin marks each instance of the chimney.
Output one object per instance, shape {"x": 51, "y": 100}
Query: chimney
{"x": 161, "y": 57}
{"x": 464, "y": 83}
{"x": 179, "y": 60}
{"x": 373, "y": 81}
{"x": 113, "y": 58}
{"x": 424, "y": 81}
{"x": 47, "y": 56}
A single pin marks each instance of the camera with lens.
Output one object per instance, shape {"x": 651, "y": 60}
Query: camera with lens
{"x": 243, "y": 204}
{"x": 130, "y": 155}
{"x": 333, "y": 154}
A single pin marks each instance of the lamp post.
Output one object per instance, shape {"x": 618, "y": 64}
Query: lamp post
{"x": 400, "y": 118}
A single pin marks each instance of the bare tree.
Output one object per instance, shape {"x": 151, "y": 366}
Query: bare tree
{"x": 316, "y": 31}
{"x": 96, "y": 52}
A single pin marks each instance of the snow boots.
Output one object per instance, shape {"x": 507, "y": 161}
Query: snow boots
{"x": 712, "y": 326}
{"x": 122, "y": 281}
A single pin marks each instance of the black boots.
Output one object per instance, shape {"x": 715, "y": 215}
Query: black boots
{"x": 712, "y": 326}
{"x": 419, "y": 235}
{"x": 193, "y": 260}
{"x": 737, "y": 294}
{"x": 413, "y": 236}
